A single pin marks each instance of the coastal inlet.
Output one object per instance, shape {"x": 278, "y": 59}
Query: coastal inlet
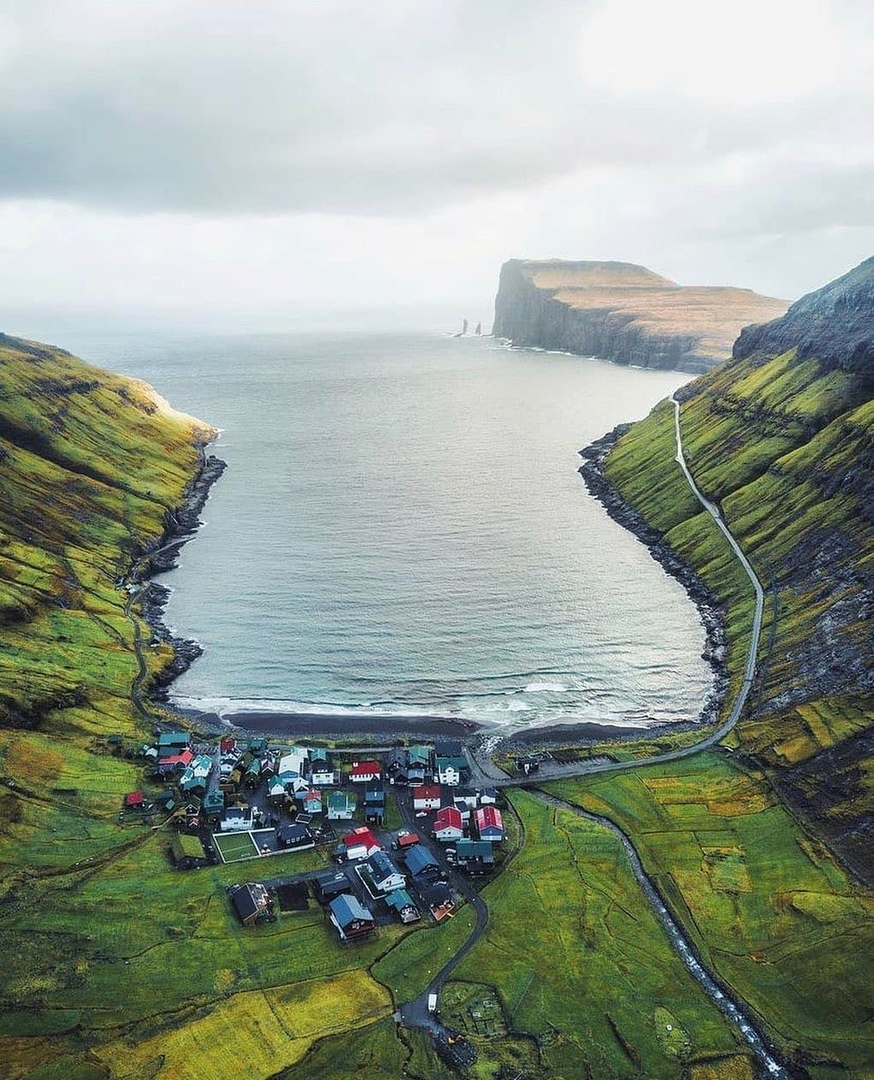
{"x": 401, "y": 531}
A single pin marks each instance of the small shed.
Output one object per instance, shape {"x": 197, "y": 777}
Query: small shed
{"x": 350, "y": 917}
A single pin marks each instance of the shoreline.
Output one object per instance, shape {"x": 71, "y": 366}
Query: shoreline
{"x": 183, "y": 523}
{"x": 709, "y": 611}
{"x": 180, "y": 526}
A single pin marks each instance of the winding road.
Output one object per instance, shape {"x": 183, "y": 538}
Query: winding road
{"x": 416, "y": 1013}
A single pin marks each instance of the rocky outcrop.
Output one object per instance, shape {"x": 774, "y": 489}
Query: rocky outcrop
{"x": 835, "y": 325}
{"x": 623, "y": 312}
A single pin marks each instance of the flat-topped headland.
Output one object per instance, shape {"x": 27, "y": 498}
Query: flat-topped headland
{"x": 625, "y": 313}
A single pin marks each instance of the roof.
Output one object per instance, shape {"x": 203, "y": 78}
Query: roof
{"x": 427, "y": 791}
{"x": 347, "y": 908}
{"x": 214, "y": 800}
{"x": 133, "y": 798}
{"x": 399, "y": 899}
{"x": 318, "y": 753}
{"x": 360, "y": 836}
{"x": 419, "y": 755}
{"x": 185, "y": 758}
{"x": 489, "y": 817}
{"x": 381, "y": 865}
{"x": 457, "y": 763}
{"x": 365, "y": 768}
{"x": 408, "y": 839}
{"x": 448, "y": 748}
{"x": 449, "y": 815}
{"x": 470, "y": 849}
{"x": 340, "y": 799}
{"x": 419, "y": 859}
{"x": 173, "y": 738}
{"x": 248, "y": 899}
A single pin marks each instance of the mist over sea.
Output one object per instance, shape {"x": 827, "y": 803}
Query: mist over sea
{"x": 402, "y": 529}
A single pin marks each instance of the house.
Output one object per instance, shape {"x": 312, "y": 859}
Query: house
{"x": 236, "y": 819}
{"x": 171, "y": 743}
{"x": 323, "y": 777}
{"x": 292, "y": 765}
{"x": 402, "y": 904}
{"x": 488, "y": 796}
{"x": 256, "y": 745}
{"x": 449, "y": 769}
{"x": 382, "y": 873}
{"x": 360, "y": 844}
{"x": 489, "y": 824}
{"x": 464, "y": 798}
{"x": 427, "y": 797}
{"x": 341, "y": 807}
{"x": 527, "y": 765}
{"x": 350, "y": 917}
{"x": 421, "y": 863}
{"x": 173, "y": 764}
{"x": 251, "y": 903}
{"x": 407, "y": 839}
{"x": 133, "y": 800}
{"x": 396, "y": 760}
{"x": 312, "y": 801}
{"x": 228, "y": 745}
{"x": 418, "y": 765}
{"x": 475, "y": 856}
{"x": 294, "y": 835}
{"x": 330, "y": 884}
{"x": 364, "y": 772}
{"x": 276, "y": 793}
{"x": 213, "y": 803}
{"x": 187, "y": 852}
{"x": 448, "y": 825}
{"x": 317, "y": 757}
{"x": 440, "y": 900}
{"x": 374, "y": 805}
{"x": 196, "y": 776}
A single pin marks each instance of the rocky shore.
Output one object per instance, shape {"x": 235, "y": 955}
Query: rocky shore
{"x": 179, "y": 527}
{"x": 592, "y": 471}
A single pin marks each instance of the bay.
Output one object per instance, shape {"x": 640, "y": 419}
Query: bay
{"x": 402, "y": 529}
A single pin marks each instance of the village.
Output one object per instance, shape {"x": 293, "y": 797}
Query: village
{"x": 404, "y": 836}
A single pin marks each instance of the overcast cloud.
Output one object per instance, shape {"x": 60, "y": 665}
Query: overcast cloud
{"x": 274, "y": 161}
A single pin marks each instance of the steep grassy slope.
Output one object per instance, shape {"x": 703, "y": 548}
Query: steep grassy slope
{"x": 786, "y": 447}
{"x": 91, "y": 466}
{"x": 782, "y": 437}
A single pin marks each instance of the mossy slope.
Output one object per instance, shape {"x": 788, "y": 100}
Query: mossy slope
{"x": 784, "y": 442}
{"x": 91, "y": 465}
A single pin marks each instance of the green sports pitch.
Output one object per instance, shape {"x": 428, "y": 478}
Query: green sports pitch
{"x": 235, "y": 847}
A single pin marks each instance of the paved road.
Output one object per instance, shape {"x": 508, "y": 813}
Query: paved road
{"x": 486, "y": 772}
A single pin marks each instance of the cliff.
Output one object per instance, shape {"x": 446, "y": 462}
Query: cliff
{"x": 622, "y": 312}
{"x": 96, "y": 471}
{"x": 782, "y": 438}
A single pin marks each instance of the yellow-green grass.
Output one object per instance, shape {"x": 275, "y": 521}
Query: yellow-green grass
{"x": 769, "y": 909}
{"x": 580, "y": 961}
{"x": 265, "y": 1029}
{"x": 90, "y": 465}
{"x": 375, "y": 1052}
{"x": 412, "y": 963}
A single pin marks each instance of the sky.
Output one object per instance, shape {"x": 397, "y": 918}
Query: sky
{"x": 296, "y": 164}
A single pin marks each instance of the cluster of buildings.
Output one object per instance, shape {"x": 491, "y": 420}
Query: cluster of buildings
{"x": 281, "y": 796}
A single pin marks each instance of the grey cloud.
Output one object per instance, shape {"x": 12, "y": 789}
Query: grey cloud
{"x": 335, "y": 106}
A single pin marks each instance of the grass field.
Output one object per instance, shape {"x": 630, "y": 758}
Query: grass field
{"x": 770, "y": 910}
{"x": 580, "y": 963}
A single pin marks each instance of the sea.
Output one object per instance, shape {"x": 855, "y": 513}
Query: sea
{"x": 402, "y": 530}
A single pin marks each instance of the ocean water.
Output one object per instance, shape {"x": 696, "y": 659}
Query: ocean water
{"x": 402, "y": 529}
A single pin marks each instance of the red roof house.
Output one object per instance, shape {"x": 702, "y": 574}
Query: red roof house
{"x": 489, "y": 824}
{"x": 364, "y": 771}
{"x": 134, "y": 800}
{"x": 448, "y": 825}
{"x": 360, "y": 844}
{"x": 426, "y": 797}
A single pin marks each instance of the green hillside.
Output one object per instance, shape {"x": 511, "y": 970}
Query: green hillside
{"x": 763, "y": 850}
{"x": 91, "y": 465}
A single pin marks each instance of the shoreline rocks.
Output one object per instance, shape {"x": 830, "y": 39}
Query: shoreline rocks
{"x": 712, "y": 617}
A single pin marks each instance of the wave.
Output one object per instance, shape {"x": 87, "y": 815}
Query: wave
{"x": 545, "y": 688}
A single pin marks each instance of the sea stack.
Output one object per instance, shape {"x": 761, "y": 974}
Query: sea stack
{"x": 626, "y": 313}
